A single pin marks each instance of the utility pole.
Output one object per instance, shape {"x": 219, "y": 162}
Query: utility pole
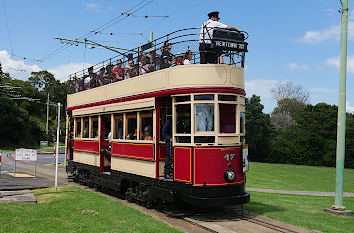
{"x": 46, "y": 127}
{"x": 338, "y": 208}
{"x": 57, "y": 150}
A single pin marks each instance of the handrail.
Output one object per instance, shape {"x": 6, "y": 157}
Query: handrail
{"x": 174, "y": 45}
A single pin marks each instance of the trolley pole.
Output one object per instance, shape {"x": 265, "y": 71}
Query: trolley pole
{"x": 57, "y": 150}
{"x": 338, "y": 207}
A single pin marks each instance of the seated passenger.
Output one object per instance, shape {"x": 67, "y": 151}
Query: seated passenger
{"x": 179, "y": 60}
{"x": 100, "y": 76}
{"x": 107, "y": 77}
{"x": 118, "y": 71}
{"x": 188, "y": 57}
{"x": 130, "y": 70}
{"x": 147, "y": 133}
{"x": 87, "y": 80}
{"x": 166, "y": 55}
{"x": 144, "y": 67}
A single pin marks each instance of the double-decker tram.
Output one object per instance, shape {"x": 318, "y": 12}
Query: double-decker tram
{"x": 115, "y": 138}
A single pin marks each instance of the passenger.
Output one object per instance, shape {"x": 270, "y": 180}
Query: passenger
{"x": 154, "y": 60}
{"x": 93, "y": 80}
{"x": 87, "y": 81}
{"x": 179, "y": 60}
{"x": 107, "y": 76}
{"x": 167, "y": 136}
{"x": 166, "y": 55}
{"x": 118, "y": 71}
{"x": 209, "y": 55}
{"x": 100, "y": 76}
{"x": 188, "y": 57}
{"x": 144, "y": 67}
{"x": 130, "y": 70}
{"x": 82, "y": 84}
{"x": 147, "y": 133}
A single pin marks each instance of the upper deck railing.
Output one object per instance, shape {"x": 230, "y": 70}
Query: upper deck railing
{"x": 180, "y": 47}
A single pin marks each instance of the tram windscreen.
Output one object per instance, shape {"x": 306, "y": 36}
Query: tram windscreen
{"x": 227, "y": 118}
{"x": 183, "y": 118}
{"x": 204, "y": 117}
{"x": 86, "y": 127}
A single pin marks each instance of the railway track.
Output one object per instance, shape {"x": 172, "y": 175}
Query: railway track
{"x": 235, "y": 220}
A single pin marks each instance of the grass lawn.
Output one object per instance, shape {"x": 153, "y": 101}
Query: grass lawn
{"x": 305, "y": 211}
{"x": 72, "y": 209}
{"x": 296, "y": 177}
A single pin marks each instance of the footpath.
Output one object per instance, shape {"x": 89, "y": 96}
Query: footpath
{"x": 306, "y": 193}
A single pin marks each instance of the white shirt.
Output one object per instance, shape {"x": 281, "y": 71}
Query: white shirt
{"x": 186, "y": 62}
{"x": 206, "y": 30}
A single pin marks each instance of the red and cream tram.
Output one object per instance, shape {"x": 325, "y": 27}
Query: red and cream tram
{"x": 115, "y": 135}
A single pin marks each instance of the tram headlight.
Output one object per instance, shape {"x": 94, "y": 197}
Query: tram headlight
{"x": 229, "y": 175}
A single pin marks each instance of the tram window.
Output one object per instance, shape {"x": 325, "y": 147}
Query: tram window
{"x": 107, "y": 125}
{"x": 183, "y": 139}
{"x": 131, "y": 129}
{"x": 118, "y": 126}
{"x": 227, "y": 118}
{"x": 146, "y": 132}
{"x": 204, "y": 139}
{"x": 86, "y": 127}
{"x": 183, "y": 118}
{"x": 204, "y": 97}
{"x": 183, "y": 98}
{"x": 94, "y": 123}
{"x": 78, "y": 128}
{"x": 204, "y": 117}
{"x": 227, "y": 98}
{"x": 242, "y": 122}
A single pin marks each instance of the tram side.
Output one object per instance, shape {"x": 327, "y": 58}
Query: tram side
{"x": 115, "y": 139}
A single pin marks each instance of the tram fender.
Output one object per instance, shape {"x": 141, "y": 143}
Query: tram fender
{"x": 161, "y": 193}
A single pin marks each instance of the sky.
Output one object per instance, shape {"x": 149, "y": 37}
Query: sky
{"x": 297, "y": 41}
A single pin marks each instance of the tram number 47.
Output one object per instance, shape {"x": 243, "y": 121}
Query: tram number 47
{"x": 229, "y": 157}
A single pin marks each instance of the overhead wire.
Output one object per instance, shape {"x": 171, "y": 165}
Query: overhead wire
{"x": 89, "y": 34}
{"x": 7, "y": 26}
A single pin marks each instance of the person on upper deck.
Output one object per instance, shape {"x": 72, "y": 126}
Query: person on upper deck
{"x": 130, "y": 70}
{"x": 166, "y": 55}
{"x": 208, "y": 55}
{"x": 188, "y": 55}
{"x": 118, "y": 71}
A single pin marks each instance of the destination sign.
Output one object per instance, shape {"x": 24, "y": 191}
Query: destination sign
{"x": 235, "y": 46}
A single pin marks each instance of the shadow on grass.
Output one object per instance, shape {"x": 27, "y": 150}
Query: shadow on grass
{"x": 261, "y": 208}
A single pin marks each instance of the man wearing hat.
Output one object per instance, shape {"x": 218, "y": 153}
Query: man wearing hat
{"x": 207, "y": 54}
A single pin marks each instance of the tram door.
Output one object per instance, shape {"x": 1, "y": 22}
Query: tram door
{"x": 165, "y": 113}
{"x": 105, "y": 144}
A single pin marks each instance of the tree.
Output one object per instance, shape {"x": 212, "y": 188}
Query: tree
{"x": 291, "y": 100}
{"x": 257, "y": 129}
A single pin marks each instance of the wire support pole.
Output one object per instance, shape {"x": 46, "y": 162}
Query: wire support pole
{"x": 57, "y": 150}
{"x": 340, "y": 153}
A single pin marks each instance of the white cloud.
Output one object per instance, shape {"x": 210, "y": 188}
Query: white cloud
{"x": 62, "y": 72}
{"x": 349, "y": 108}
{"x": 16, "y": 68}
{"x": 331, "y": 33}
{"x": 294, "y": 66}
{"x": 93, "y": 6}
{"x": 261, "y": 87}
{"x": 334, "y": 61}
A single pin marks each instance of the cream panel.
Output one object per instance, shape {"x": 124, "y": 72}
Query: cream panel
{"x": 197, "y": 75}
{"x": 228, "y": 140}
{"x": 134, "y": 104}
{"x": 86, "y": 158}
{"x": 142, "y": 84}
{"x": 237, "y": 77}
{"x": 139, "y": 167}
{"x": 89, "y": 96}
{"x": 162, "y": 168}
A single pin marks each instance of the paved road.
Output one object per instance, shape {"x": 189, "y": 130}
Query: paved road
{"x": 8, "y": 163}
